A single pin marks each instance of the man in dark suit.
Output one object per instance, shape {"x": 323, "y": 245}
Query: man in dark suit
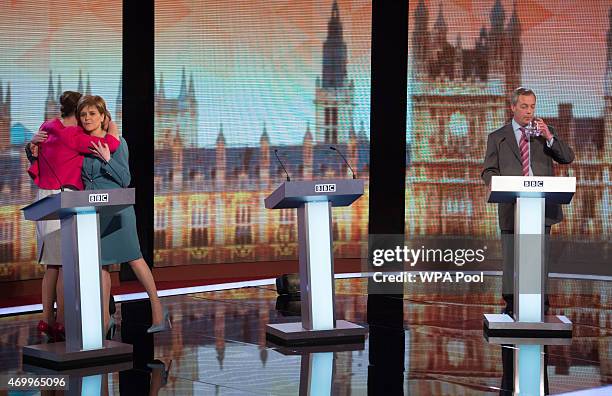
{"x": 510, "y": 152}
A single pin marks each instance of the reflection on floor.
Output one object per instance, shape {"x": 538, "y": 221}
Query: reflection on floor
{"x": 218, "y": 344}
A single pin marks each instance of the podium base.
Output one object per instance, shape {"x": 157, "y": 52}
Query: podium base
{"x": 502, "y": 325}
{"x": 294, "y": 334}
{"x": 81, "y": 371}
{"x": 527, "y": 340}
{"x": 300, "y": 350}
{"x": 54, "y": 355}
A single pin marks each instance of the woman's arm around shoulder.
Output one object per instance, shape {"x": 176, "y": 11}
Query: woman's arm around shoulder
{"x": 76, "y": 138}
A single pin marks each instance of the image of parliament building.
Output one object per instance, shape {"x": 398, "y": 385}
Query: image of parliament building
{"x": 458, "y": 96}
{"x": 209, "y": 202}
{"x": 18, "y": 236}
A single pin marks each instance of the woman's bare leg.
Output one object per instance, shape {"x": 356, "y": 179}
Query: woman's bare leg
{"x": 156, "y": 381}
{"x": 104, "y": 390}
{"x": 106, "y": 287}
{"x": 48, "y": 292}
{"x": 144, "y": 275}
{"x": 59, "y": 317}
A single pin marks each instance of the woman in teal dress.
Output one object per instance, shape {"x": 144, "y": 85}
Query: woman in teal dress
{"x": 118, "y": 235}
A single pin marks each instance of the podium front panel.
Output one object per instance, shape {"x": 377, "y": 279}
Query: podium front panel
{"x": 66, "y": 203}
{"x": 506, "y": 189}
{"x": 340, "y": 192}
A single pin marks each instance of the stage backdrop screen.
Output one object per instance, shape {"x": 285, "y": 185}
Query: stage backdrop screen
{"x": 46, "y": 47}
{"x": 235, "y": 82}
{"x": 465, "y": 59}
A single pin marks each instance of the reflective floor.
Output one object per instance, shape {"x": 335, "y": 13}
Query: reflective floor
{"x": 218, "y": 346}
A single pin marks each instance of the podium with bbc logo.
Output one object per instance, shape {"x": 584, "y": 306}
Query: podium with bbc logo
{"x": 78, "y": 212}
{"x": 530, "y": 194}
{"x": 314, "y": 201}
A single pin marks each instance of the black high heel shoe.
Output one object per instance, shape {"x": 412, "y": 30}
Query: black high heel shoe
{"x": 159, "y": 365}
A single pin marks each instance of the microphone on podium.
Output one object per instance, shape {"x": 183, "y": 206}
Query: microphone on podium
{"x": 281, "y": 164}
{"x": 287, "y": 284}
{"x": 345, "y": 161}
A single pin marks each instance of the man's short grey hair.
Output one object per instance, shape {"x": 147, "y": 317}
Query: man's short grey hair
{"x": 520, "y": 91}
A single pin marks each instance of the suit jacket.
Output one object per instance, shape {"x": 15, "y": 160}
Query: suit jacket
{"x": 503, "y": 158}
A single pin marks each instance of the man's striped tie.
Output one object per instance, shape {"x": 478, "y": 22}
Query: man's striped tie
{"x": 524, "y": 148}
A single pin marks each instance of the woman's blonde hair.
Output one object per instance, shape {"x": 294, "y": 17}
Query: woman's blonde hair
{"x": 98, "y": 103}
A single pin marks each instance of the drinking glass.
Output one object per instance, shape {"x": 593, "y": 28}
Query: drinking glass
{"x": 531, "y": 129}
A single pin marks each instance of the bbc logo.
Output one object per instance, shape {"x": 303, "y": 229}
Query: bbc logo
{"x": 533, "y": 183}
{"x": 97, "y": 198}
{"x": 325, "y": 188}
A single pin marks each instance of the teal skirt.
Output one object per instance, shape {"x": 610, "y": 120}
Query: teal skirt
{"x": 119, "y": 238}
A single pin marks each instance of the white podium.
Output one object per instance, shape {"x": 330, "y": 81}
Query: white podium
{"x": 318, "y": 365}
{"x": 314, "y": 200}
{"x": 530, "y": 194}
{"x": 527, "y": 368}
{"x": 80, "y": 234}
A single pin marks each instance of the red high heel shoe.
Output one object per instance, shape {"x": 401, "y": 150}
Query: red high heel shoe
{"x": 48, "y": 331}
{"x": 58, "y": 331}
{"x": 43, "y": 327}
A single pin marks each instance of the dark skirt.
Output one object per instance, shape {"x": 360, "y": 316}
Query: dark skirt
{"x": 119, "y": 237}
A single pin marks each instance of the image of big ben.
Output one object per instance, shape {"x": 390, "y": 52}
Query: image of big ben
{"x": 457, "y": 96}
{"x": 209, "y": 200}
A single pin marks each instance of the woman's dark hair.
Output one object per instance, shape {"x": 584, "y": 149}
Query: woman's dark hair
{"x": 68, "y": 102}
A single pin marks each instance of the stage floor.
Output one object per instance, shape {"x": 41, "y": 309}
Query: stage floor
{"x": 218, "y": 345}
